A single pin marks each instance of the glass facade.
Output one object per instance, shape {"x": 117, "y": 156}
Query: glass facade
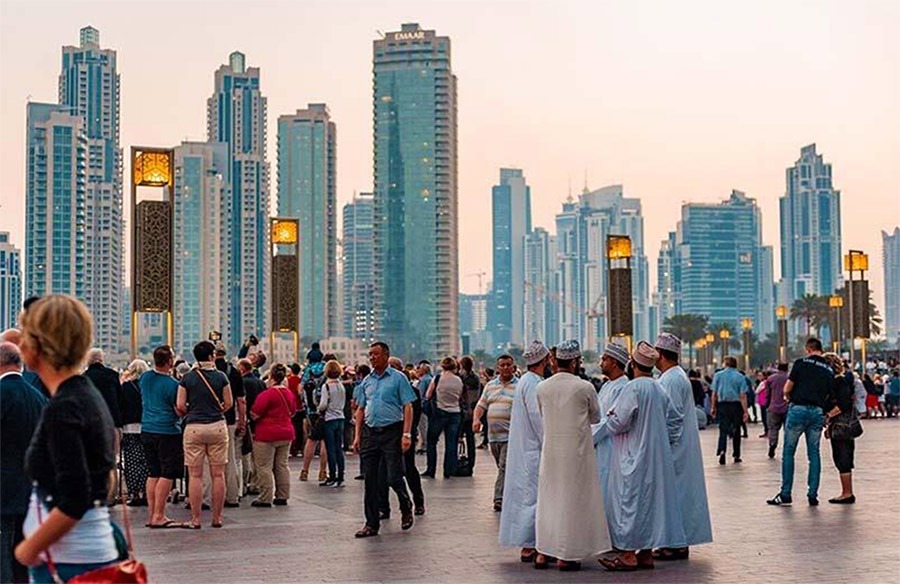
{"x": 10, "y": 282}
{"x": 414, "y": 98}
{"x": 511, "y": 213}
{"x": 359, "y": 270}
{"x": 307, "y": 190}
{"x": 891, "y": 260}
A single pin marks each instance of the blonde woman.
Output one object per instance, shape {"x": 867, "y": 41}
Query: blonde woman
{"x": 133, "y": 459}
{"x": 72, "y": 456}
{"x": 331, "y": 407}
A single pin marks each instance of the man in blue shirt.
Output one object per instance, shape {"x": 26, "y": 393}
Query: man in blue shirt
{"x": 383, "y": 433}
{"x": 729, "y": 406}
{"x": 892, "y": 392}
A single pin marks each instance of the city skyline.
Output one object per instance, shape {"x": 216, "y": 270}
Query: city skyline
{"x": 864, "y": 174}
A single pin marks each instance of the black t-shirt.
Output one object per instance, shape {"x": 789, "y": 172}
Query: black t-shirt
{"x": 813, "y": 382}
{"x": 699, "y": 393}
{"x": 237, "y": 388}
{"x": 202, "y": 407}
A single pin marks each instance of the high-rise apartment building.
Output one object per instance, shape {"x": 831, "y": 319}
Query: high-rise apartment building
{"x": 668, "y": 281}
{"x": 540, "y": 303}
{"x": 473, "y": 322}
{"x": 581, "y": 231}
{"x": 721, "y": 269}
{"x": 891, "y": 259}
{"x": 416, "y": 255}
{"x": 89, "y": 88}
{"x": 511, "y": 213}
{"x": 358, "y": 268}
{"x": 10, "y": 282}
{"x": 810, "y": 229}
{"x": 55, "y": 201}
{"x": 202, "y": 244}
{"x": 236, "y": 116}
{"x": 307, "y": 191}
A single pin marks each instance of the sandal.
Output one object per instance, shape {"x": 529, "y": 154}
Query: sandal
{"x": 191, "y": 526}
{"x": 568, "y": 566}
{"x": 304, "y": 475}
{"x": 527, "y": 556}
{"x": 168, "y": 524}
{"x": 671, "y": 554}
{"x": 217, "y": 524}
{"x": 616, "y": 564}
{"x": 366, "y": 532}
{"x": 542, "y": 562}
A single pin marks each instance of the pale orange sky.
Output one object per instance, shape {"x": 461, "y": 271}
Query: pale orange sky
{"x": 678, "y": 101}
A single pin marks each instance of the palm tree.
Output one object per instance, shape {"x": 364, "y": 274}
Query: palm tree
{"x": 810, "y": 308}
{"x": 690, "y": 328}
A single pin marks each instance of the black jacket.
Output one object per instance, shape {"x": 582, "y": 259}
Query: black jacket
{"x": 130, "y": 403}
{"x": 71, "y": 454}
{"x": 21, "y": 406}
{"x": 107, "y": 383}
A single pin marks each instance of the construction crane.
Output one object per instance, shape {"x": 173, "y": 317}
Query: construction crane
{"x": 480, "y": 276}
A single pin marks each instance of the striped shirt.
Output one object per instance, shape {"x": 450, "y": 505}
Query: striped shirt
{"x": 497, "y": 399}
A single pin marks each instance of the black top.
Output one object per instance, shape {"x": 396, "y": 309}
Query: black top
{"x": 252, "y": 386}
{"x": 843, "y": 395}
{"x": 71, "y": 454}
{"x": 202, "y": 407}
{"x": 21, "y": 413}
{"x": 237, "y": 388}
{"x": 813, "y": 382}
{"x": 107, "y": 382}
{"x": 130, "y": 403}
{"x": 699, "y": 393}
{"x": 471, "y": 393}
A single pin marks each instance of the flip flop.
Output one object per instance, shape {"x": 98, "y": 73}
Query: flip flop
{"x": 170, "y": 524}
{"x": 191, "y": 526}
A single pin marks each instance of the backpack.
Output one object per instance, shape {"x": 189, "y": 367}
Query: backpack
{"x": 312, "y": 387}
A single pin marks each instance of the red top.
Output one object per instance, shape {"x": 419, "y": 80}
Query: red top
{"x": 274, "y": 409}
{"x": 293, "y": 383}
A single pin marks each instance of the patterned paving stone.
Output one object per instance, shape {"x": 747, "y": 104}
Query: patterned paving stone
{"x": 311, "y": 540}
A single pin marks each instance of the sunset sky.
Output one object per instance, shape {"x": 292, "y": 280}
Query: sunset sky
{"x": 678, "y": 101}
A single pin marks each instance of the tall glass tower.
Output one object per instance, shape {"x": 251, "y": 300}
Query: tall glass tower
{"x": 416, "y": 256}
{"x": 891, "y": 259}
{"x": 202, "y": 243}
{"x": 810, "y": 229}
{"x": 236, "y": 116}
{"x": 10, "y": 282}
{"x": 89, "y": 87}
{"x": 511, "y": 214}
{"x": 307, "y": 190}
{"x": 55, "y": 201}
{"x": 359, "y": 271}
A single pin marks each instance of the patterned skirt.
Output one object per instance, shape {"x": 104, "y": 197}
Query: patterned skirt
{"x": 135, "y": 463}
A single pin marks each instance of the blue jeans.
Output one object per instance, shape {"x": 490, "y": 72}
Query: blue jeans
{"x": 41, "y": 575}
{"x": 807, "y": 420}
{"x": 334, "y": 438}
{"x": 448, "y": 424}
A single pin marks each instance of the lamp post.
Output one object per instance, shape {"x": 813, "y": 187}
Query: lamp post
{"x": 747, "y": 326}
{"x": 781, "y": 312}
{"x": 724, "y": 334}
{"x": 710, "y": 349}
{"x": 858, "y": 294}
{"x": 700, "y": 347}
{"x": 836, "y": 301}
{"x": 618, "y": 271}
{"x": 285, "y": 280}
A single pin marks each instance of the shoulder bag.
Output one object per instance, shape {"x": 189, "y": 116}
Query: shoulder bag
{"x": 846, "y": 426}
{"x": 209, "y": 387}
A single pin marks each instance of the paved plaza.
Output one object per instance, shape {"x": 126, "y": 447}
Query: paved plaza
{"x": 312, "y": 539}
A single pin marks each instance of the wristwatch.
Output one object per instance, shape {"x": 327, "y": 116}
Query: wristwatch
{"x": 407, "y": 435}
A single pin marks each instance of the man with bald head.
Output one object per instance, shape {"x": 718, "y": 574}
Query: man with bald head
{"x": 21, "y": 405}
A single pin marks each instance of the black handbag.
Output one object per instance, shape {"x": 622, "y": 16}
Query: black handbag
{"x": 846, "y": 426}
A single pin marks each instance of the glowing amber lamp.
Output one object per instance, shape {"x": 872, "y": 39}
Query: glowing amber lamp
{"x": 856, "y": 262}
{"x": 781, "y": 312}
{"x": 618, "y": 247}
{"x": 747, "y": 324}
{"x": 710, "y": 338}
{"x": 724, "y": 334}
{"x": 836, "y": 301}
{"x": 284, "y": 232}
{"x": 152, "y": 168}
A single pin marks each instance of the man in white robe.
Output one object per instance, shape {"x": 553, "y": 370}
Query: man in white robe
{"x": 523, "y": 457}
{"x": 686, "y": 453}
{"x": 569, "y": 518}
{"x": 612, "y": 364}
{"x": 643, "y": 512}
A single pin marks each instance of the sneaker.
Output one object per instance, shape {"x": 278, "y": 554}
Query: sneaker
{"x": 722, "y": 458}
{"x": 279, "y": 502}
{"x": 259, "y": 503}
{"x": 327, "y": 483}
{"x": 771, "y": 452}
{"x": 782, "y": 500}
{"x": 813, "y": 500}
{"x": 337, "y": 484}
{"x": 737, "y": 459}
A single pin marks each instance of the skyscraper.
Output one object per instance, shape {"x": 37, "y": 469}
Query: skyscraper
{"x": 10, "y": 282}
{"x": 55, "y": 201}
{"x": 891, "y": 259}
{"x": 668, "y": 280}
{"x": 202, "y": 218}
{"x": 581, "y": 231}
{"x": 540, "y": 303}
{"x": 358, "y": 268}
{"x": 89, "y": 87}
{"x": 511, "y": 213}
{"x": 307, "y": 190}
{"x": 236, "y": 116}
{"x": 810, "y": 229}
{"x": 720, "y": 263}
{"x": 416, "y": 256}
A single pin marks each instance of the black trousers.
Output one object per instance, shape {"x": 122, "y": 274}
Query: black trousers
{"x": 413, "y": 480}
{"x": 467, "y": 432}
{"x": 730, "y": 417}
{"x": 377, "y": 446}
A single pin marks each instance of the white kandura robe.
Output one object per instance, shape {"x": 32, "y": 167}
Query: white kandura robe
{"x": 687, "y": 457}
{"x": 607, "y": 396}
{"x": 523, "y": 461}
{"x": 644, "y": 512}
{"x": 570, "y": 520}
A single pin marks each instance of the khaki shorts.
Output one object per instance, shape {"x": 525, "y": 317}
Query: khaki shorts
{"x": 206, "y": 440}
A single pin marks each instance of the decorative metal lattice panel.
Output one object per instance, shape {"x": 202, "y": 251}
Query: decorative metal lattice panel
{"x": 621, "y": 319}
{"x": 153, "y": 256}
{"x": 285, "y": 293}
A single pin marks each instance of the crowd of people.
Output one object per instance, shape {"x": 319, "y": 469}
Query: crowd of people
{"x": 609, "y": 468}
